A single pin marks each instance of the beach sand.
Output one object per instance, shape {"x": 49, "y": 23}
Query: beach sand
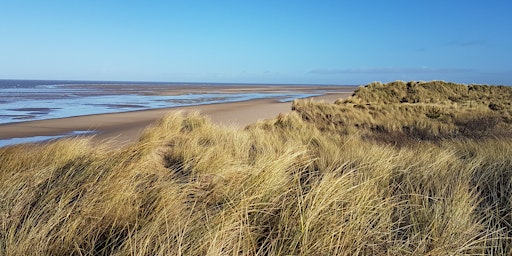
{"x": 123, "y": 128}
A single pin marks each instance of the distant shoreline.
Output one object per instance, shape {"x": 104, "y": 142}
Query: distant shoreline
{"x": 125, "y": 127}
{"x": 35, "y": 100}
{"x": 112, "y": 82}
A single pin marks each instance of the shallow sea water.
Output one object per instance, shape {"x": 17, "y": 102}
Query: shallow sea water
{"x": 35, "y": 139}
{"x": 30, "y": 100}
{"x": 22, "y": 100}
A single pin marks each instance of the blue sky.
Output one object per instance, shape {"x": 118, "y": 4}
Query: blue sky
{"x": 319, "y": 42}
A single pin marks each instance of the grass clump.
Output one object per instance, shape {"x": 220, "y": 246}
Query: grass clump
{"x": 403, "y": 113}
{"x": 370, "y": 175}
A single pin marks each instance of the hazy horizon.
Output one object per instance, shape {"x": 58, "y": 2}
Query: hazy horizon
{"x": 73, "y": 81}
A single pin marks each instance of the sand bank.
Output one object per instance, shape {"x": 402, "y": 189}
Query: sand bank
{"x": 127, "y": 126}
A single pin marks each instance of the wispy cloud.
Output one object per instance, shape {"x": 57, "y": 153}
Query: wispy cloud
{"x": 466, "y": 43}
{"x": 387, "y": 70}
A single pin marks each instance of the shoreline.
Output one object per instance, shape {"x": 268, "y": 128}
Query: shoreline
{"x": 41, "y": 103}
{"x": 126, "y": 127}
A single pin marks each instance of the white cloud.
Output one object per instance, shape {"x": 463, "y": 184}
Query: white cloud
{"x": 388, "y": 70}
{"x": 466, "y": 43}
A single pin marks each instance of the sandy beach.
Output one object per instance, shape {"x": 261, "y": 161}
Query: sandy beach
{"x": 126, "y": 127}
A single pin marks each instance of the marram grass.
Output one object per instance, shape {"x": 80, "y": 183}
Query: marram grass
{"x": 326, "y": 179}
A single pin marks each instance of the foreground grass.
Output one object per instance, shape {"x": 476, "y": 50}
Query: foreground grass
{"x": 321, "y": 180}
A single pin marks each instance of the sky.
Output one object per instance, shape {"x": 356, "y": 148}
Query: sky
{"x": 264, "y": 41}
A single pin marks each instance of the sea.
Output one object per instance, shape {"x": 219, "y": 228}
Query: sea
{"x": 29, "y": 100}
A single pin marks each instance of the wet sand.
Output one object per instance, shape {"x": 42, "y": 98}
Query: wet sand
{"x": 126, "y": 127}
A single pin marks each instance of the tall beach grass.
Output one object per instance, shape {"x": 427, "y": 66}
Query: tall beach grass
{"x": 396, "y": 169}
